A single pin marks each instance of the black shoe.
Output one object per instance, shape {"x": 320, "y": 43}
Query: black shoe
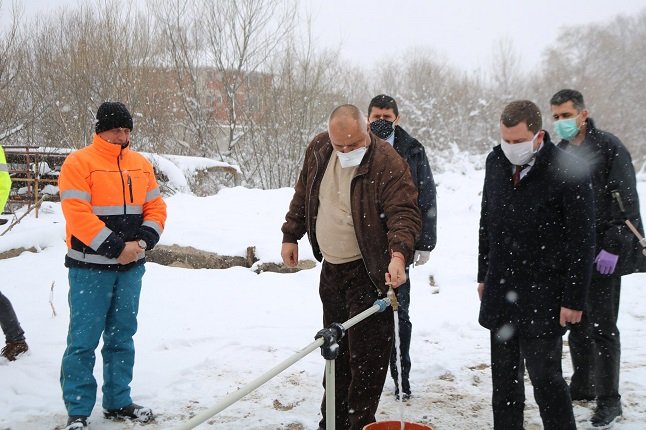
{"x": 3, "y": 221}
{"x": 75, "y": 422}
{"x": 132, "y": 412}
{"x": 405, "y": 397}
{"x": 606, "y": 414}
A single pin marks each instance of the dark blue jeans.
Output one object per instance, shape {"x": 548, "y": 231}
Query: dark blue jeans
{"x": 9, "y": 321}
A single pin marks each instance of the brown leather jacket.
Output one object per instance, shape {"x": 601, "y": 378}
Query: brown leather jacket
{"x": 384, "y": 205}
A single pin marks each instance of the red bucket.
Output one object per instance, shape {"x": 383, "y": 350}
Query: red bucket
{"x": 396, "y": 425}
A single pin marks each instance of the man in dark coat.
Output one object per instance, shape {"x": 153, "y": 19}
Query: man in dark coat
{"x": 383, "y": 116}
{"x": 535, "y": 255}
{"x": 595, "y": 344}
{"x": 357, "y": 203}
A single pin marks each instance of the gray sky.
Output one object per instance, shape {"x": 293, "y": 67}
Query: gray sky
{"x": 464, "y": 32}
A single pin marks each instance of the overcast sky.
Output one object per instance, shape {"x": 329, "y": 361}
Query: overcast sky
{"x": 463, "y": 31}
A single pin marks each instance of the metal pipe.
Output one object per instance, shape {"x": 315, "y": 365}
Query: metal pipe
{"x": 234, "y": 397}
{"x": 392, "y": 297}
{"x": 330, "y": 389}
{"x": 379, "y": 306}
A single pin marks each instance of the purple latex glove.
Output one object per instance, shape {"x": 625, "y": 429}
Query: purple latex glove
{"x": 606, "y": 262}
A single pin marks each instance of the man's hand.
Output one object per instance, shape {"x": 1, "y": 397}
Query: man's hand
{"x": 570, "y": 316}
{"x": 396, "y": 274}
{"x": 481, "y": 287}
{"x": 130, "y": 253}
{"x": 421, "y": 257}
{"x": 289, "y": 252}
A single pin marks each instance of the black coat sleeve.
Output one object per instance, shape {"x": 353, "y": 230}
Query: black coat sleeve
{"x": 427, "y": 202}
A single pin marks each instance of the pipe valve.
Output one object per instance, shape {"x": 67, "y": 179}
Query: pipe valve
{"x": 393, "y": 298}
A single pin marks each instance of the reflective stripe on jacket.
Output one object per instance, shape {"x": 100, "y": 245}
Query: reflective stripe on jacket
{"x": 109, "y": 196}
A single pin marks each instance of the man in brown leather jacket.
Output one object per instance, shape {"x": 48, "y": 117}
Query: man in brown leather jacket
{"x": 356, "y": 200}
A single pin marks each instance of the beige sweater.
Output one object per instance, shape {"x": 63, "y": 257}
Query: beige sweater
{"x": 334, "y": 225}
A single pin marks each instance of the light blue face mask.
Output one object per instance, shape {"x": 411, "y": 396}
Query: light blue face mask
{"x": 566, "y": 128}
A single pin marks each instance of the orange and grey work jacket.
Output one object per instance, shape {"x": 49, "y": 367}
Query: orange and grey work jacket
{"x": 109, "y": 196}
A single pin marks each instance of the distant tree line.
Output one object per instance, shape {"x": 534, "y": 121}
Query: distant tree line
{"x": 233, "y": 80}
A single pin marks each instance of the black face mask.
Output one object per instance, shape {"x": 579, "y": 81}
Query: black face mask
{"x": 382, "y": 128}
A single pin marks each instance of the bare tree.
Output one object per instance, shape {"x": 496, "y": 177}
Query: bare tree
{"x": 230, "y": 79}
{"x": 14, "y": 115}
{"x": 505, "y": 69}
{"x": 184, "y": 65}
{"x": 604, "y": 62}
{"x": 76, "y": 67}
{"x": 448, "y": 111}
{"x": 242, "y": 37}
{"x": 301, "y": 97}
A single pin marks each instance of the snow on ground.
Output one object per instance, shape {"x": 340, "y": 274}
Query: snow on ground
{"x": 204, "y": 334}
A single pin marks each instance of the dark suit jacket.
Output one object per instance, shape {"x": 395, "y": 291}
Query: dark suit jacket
{"x": 536, "y": 241}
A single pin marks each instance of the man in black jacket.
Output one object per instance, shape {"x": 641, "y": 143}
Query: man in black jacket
{"x": 534, "y": 265}
{"x": 595, "y": 344}
{"x": 383, "y": 116}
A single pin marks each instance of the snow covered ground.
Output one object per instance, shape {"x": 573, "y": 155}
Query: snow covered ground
{"x": 206, "y": 333}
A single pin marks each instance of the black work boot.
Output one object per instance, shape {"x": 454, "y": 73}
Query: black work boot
{"x": 606, "y": 413}
{"x": 132, "y": 412}
{"x": 76, "y": 422}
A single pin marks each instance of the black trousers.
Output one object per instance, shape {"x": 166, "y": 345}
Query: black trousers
{"x": 542, "y": 357}
{"x": 364, "y": 351}
{"x": 405, "y": 333}
{"x": 9, "y": 321}
{"x": 595, "y": 345}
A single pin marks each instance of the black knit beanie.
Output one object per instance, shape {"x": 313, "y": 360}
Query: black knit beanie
{"x": 112, "y": 115}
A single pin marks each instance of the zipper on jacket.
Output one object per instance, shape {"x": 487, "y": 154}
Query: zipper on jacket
{"x": 130, "y": 188}
{"x": 123, "y": 184}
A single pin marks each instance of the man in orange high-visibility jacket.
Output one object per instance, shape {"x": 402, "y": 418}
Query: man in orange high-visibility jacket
{"x": 114, "y": 212}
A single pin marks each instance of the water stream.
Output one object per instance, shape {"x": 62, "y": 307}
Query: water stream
{"x": 398, "y": 362}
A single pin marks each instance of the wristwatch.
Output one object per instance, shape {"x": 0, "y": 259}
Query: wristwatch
{"x": 142, "y": 244}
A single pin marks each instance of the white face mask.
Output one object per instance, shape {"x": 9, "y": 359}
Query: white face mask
{"x": 352, "y": 158}
{"x": 519, "y": 153}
